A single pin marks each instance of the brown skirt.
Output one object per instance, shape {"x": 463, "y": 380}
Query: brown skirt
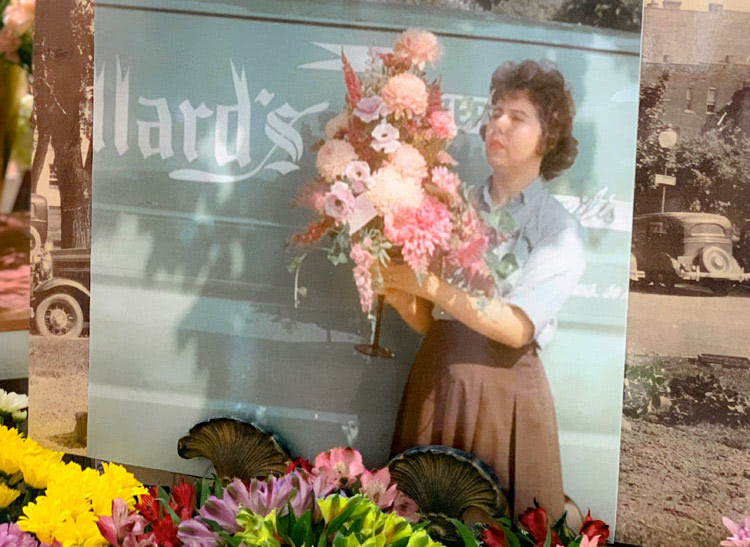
{"x": 469, "y": 392}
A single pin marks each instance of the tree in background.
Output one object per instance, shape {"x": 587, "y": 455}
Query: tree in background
{"x": 63, "y": 72}
{"x": 650, "y": 158}
{"x": 614, "y": 14}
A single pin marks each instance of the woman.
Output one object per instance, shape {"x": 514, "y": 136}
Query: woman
{"x": 477, "y": 382}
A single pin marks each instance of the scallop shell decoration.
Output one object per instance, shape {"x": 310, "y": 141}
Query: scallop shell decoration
{"x": 446, "y": 483}
{"x": 235, "y": 448}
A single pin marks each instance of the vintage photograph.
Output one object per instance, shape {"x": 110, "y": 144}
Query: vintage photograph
{"x": 60, "y": 224}
{"x": 199, "y": 308}
{"x": 686, "y": 455}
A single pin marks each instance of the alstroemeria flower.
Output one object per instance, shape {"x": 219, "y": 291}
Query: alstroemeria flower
{"x": 535, "y": 520}
{"x": 344, "y": 463}
{"x": 494, "y": 536}
{"x": 12, "y": 536}
{"x": 339, "y": 202}
{"x": 405, "y": 507}
{"x": 593, "y": 528}
{"x": 12, "y": 402}
{"x": 386, "y": 138}
{"x": 740, "y": 534}
{"x": 369, "y": 109}
{"x": 122, "y": 525}
{"x": 376, "y": 487}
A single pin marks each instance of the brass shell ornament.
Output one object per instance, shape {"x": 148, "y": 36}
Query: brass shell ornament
{"x": 446, "y": 483}
{"x": 235, "y": 448}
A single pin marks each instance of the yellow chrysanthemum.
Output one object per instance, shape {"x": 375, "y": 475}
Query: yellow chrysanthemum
{"x": 43, "y": 518}
{"x": 7, "y": 495}
{"x": 115, "y": 482}
{"x": 38, "y": 465}
{"x": 12, "y": 451}
{"x": 80, "y": 532}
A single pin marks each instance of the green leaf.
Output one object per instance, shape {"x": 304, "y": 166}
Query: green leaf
{"x": 218, "y": 488}
{"x": 548, "y": 539}
{"x": 302, "y": 530}
{"x": 338, "y": 521}
{"x": 466, "y": 534}
{"x": 203, "y": 490}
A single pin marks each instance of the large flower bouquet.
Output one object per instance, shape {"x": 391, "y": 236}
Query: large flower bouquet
{"x": 385, "y": 185}
{"x": 16, "y": 44}
{"x": 333, "y": 502}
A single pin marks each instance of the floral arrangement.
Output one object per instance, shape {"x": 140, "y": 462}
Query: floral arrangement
{"x": 15, "y": 32}
{"x": 13, "y": 408}
{"x": 385, "y": 185}
{"x": 56, "y": 503}
{"x": 334, "y": 501}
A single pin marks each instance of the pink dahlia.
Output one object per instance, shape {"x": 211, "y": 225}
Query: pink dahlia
{"x": 18, "y": 17}
{"x": 740, "y": 534}
{"x": 443, "y": 124}
{"x": 333, "y": 157}
{"x": 377, "y": 486}
{"x": 344, "y": 463}
{"x": 420, "y": 231}
{"x": 445, "y": 180}
{"x": 405, "y": 95}
{"x": 418, "y": 47}
{"x": 363, "y": 260}
{"x": 339, "y": 202}
{"x": 390, "y": 191}
{"x": 9, "y": 44}
{"x": 409, "y": 163}
{"x": 337, "y": 125}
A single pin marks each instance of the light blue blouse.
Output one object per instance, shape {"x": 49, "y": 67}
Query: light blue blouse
{"x": 548, "y": 249}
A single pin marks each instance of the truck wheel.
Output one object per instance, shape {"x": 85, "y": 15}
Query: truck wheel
{"x": 59, "y": 315}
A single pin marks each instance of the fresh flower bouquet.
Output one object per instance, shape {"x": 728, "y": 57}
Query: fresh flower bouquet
{"x": 15, "y": 32}
{"x": 385, "y": 185}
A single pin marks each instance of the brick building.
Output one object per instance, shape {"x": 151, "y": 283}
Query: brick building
{"x": 706, "y": 54}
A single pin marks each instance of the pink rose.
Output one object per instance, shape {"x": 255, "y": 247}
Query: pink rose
{"x": 19, "y": 16}
{"x": 370, "y": 108}
{"x": 339, "y": 202}
{"x": 9, "y": 44}
{"x": 443, "y": 124}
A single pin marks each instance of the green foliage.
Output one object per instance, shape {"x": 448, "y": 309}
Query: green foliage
{"x": 650, "y": 157}
{"x": 643, "y": 387}
{"x": 614, "y": 14}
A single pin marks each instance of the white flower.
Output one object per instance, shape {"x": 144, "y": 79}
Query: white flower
{"x": 386, "y": 137}
{"x": 12, "y": 402}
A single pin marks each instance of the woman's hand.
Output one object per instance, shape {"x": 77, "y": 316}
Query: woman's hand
{"x": 400, "y": 277}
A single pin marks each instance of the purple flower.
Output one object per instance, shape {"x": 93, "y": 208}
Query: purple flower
{"x": 196, "y": 533}
{"x": 740, "y": 534}
{"x": 386, "y": 137}
{"x": 12, "y": 536}
{"x": 369, "y": 109}
{"x": 339, "y": 201}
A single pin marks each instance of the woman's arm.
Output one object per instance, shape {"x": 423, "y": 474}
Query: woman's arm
{"x": 415, "y": 311}
{"x": 497, "y": 320}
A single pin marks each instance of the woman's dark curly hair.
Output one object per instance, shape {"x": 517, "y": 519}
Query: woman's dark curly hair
{"x": 546, "y": 89}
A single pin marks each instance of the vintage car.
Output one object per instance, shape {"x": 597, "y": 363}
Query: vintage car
{"x": 59, "y": 282}
{"x": 684, "y": 247}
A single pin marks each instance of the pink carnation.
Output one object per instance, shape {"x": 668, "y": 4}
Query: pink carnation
{"x": 363, "y": 260}
{"x": 409, "y": 163}
{"x": 390, "y": 191}
{"x": 9, "y": 44}
{"x": 19, "y": 16}
{"x": 418, "y": 47}
{"x": 369, "y": 109}
{"x": 333, "y": 158}
{"x": 405, "y": 95}
{"x": 339, "y": 202}
{"x": 420, "y": 231}
{"x": 445, "y": 180}
{"x": 443, "y": 124}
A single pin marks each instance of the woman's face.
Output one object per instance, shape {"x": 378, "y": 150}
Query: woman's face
{"x": 514, "y": 133}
